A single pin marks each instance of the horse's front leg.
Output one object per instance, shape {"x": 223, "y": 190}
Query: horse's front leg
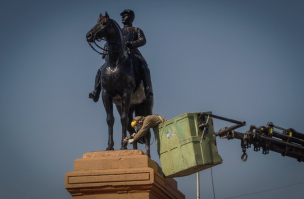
{"x": 125, "y": 105}
{"x": 107, "y": 102}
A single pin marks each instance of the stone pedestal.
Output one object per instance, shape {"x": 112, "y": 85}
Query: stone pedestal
{"x": 120, "y": 174}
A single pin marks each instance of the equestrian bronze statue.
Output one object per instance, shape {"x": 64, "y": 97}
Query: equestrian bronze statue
{"x": 125, "y": 76}
{"x": 134, "y": 38}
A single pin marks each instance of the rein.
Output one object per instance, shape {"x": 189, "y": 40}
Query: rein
{"x": 95, "y": 49}
{"x": 108, "y": 41}
{"x": 104, "y": 48}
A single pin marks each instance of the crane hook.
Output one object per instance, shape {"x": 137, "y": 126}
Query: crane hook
{"x": 244, "y": 157}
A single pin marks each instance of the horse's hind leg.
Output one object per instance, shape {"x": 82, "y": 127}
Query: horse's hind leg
{"x": 145, "y": 109}
{"x": 125, "y": 105}
{"x": 148, "y": 104}
{"x": 147, "y": 140}
{"x": 129, "y": 127}
{"x": 107, "y": 102}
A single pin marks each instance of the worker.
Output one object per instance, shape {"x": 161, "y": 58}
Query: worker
{"x": 142, "y": 124}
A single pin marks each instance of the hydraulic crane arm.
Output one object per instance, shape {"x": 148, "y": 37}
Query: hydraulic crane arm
{"x": 288, "y": 143}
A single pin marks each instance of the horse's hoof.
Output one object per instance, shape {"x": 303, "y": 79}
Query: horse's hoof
{"x": 109, "y": 148}
{"x": 148, "y": 154}
{"x": 123, "y": 148}
{"x": 134, "y": 145}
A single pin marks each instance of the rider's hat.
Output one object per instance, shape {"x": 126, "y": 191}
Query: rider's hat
{"x": 128, "y": 12}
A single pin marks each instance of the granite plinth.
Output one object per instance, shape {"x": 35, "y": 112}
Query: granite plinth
{"x": 119, "y": 174}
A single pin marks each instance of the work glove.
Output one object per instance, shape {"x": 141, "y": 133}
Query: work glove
{"x": 133, "y": 135}
{"x": 131, "y": 141}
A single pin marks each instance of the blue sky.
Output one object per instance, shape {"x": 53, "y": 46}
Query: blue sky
{"x": 240, "y": 59}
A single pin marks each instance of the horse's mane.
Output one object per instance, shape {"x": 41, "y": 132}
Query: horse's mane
{"x": 122, "y": 39}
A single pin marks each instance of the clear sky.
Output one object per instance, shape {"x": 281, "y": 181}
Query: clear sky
{"x": 240, "y": 59}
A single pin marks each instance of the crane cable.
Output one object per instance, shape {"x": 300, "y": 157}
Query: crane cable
{"x": 212, "y": 184}
{"x": 265, "y": 190}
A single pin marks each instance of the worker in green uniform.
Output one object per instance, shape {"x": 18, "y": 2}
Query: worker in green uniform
{"x": 143, "y": 124}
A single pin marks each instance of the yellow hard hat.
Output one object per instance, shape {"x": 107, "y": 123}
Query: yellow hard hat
{"x": 137, "y": 120}
{"x": 133, "y": 123}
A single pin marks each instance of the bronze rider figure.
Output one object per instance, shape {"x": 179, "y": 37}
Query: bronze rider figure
{"x": 134, "y": 38}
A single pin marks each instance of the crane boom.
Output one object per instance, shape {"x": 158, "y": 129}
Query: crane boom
{"x": 289, "y": 142}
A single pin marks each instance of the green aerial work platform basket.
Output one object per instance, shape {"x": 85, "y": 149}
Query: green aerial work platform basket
{"x": 179, "y": 147}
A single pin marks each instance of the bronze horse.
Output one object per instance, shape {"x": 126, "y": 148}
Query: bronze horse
{"x": 121, "y": 82}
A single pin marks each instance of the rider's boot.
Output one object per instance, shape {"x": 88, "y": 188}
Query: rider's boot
{"x": 97, "y": 88}
{"x": 147, "y": 81}
{"x": 95, "y": 95}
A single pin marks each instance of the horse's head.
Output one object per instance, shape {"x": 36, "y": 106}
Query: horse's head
{"x": 103, "y": 28}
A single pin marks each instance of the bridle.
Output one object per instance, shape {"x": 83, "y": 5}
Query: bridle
{"x": 104, "y": 48}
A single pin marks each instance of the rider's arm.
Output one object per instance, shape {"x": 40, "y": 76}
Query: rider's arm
{"x": 141, "y": 39}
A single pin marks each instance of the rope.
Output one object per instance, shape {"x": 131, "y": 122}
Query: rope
{"x": 265, "y": 190}
{"x": 152, "y": 141}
